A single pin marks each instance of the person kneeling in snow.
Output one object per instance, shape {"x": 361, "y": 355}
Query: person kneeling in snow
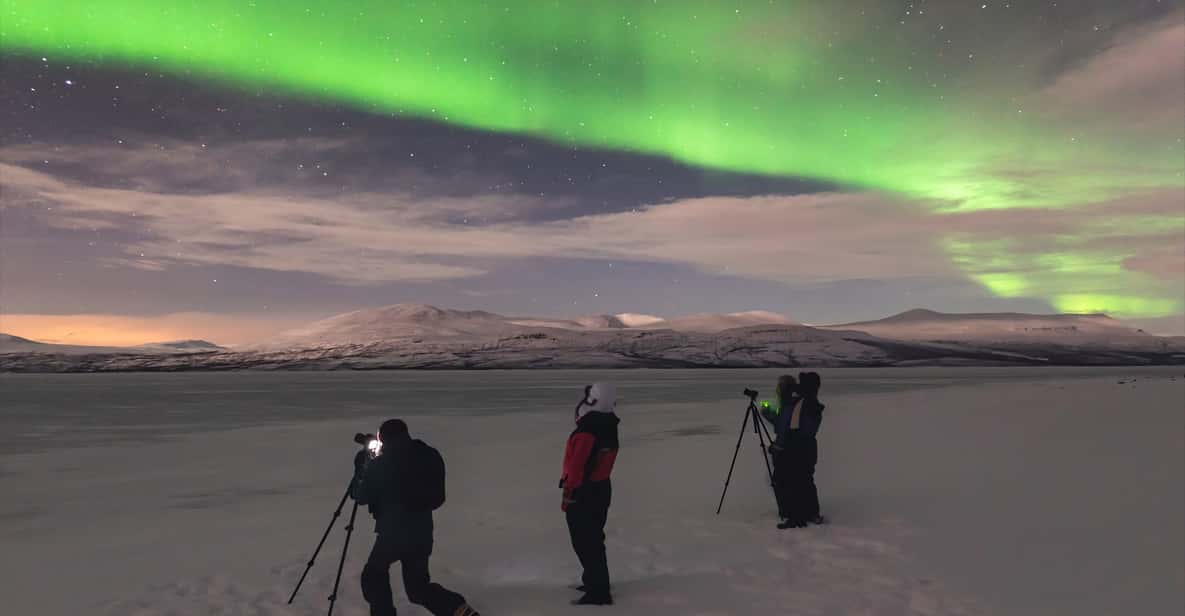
{"x": 401, "y": 487}
{"x": 588, "y": 461}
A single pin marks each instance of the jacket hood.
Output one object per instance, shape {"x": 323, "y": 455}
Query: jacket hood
{"x": 601, "y": 397}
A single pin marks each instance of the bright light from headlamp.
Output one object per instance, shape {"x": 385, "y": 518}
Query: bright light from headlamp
{"x": 374, "y": 446}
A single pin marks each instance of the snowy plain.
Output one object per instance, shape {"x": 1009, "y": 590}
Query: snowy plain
{"x": 951, "y": 491}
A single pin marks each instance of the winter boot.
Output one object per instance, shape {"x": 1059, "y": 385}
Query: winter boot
{"x": 594, "y": 599}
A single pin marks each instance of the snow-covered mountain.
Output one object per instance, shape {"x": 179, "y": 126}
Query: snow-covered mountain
{"x": 422, "y": 322}
{"x": 399, "y": 322}
{"x": 10, "y": 344}
{"x": 1074, "y": 330}
{"x": 427, "y": 337}
{"x": 720, "y": 322}
{"x": 706, "y": 322}
{"x": 16, "y": 344}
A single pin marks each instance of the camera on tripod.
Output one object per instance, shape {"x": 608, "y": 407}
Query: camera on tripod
{"x": 372, "y": 446}
{"x": 763, "y": 437}
{"x": 370, "y": 442}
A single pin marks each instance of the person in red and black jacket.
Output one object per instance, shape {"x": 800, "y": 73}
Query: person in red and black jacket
{"x": 588, "y": 461}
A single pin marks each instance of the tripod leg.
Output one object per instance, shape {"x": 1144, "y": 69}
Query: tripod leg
{"x": 336, "y": 513}
{"x": 763, "y": 437}
{"x": 744, "y": 423}
{"x": 342, "y": 563}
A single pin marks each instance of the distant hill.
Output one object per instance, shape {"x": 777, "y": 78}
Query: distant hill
{"x": 10, "y": 344}
{"x": 706, "y": 322}
{"x": 396, "y": 322}
{"x": 721, "y": 322}
{"x": 182, "y": 346}
{"x": 1008, "y": 328}
{"x": 419, "y": 336}
{"x": 420, "y": 321}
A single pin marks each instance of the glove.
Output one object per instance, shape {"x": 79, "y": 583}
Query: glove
{"x": 568, "y": 500}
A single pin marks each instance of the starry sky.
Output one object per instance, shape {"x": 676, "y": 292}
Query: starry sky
{"x": 227, "y": 169}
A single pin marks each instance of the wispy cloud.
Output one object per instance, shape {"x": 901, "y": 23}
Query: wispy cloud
{"x": 1136, "y": 85}
{"x": 373, "y": 239}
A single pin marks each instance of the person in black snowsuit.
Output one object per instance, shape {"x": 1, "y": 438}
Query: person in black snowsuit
{"x": 801, "y": 452}
{"x": 787, "y": 403}
{"x": 387, "y": 486}
{"x": 588, "y": 461}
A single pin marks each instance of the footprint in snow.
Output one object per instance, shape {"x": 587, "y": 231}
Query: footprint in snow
{"x": 778, "y": 553}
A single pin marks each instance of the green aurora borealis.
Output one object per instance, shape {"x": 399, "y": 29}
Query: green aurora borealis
{"x": 756, "y": 87}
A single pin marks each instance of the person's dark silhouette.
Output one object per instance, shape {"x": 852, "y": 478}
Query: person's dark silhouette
{"x": 780, "y": 416}
{"x": 388, "y": 485}
{"x": 802, "y": 449}
{"x": 588, "y": 461}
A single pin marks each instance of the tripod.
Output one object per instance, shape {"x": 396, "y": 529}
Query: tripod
{"x": 762, "y": 437}
{"x": 349, "y": 531}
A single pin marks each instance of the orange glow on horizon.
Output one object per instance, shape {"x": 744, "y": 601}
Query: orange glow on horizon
{"x": 118, "y": 330}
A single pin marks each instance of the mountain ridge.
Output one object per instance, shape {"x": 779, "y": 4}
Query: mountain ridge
{"x": 421, "y": 336}
{"x": 10, "y": 344}
{"x": 1004, "y": 327}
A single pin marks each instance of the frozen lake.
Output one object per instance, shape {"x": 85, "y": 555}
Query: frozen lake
{"x": 993, "y": 491}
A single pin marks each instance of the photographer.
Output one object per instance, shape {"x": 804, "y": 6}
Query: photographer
{"x": 806, "y": 446}
{"x": 781, "y": 416}
{"x": 401, "y": 487}
{"x": 796, "y": 449}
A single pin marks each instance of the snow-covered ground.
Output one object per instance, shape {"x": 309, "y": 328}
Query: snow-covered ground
{"x": 952, "y": 491}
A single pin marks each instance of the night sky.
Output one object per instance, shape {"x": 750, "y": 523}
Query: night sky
{"x": 225, "y": 169}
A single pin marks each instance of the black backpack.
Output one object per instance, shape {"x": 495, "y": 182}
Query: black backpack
{"x": 425, "y": 480}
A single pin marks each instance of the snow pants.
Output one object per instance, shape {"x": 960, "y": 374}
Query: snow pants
{"x": 586, "y": 526}
{"x": 794, "y": 480}
{"x": 783, "y": 482}
{"x": 376, "y": 581}
{"x": 808, "y": 493}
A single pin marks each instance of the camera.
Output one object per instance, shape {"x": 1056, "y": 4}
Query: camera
{"x": 370, "y": 442}
{"x": 750, "y": 393}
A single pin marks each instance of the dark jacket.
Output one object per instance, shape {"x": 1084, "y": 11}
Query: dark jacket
{"x": 590, "y": 452}
{"x": 800, "y": 418}
{"x": 781, "y": 418}
{"x": 810, "y": 419}
{"x": 381, "y": 488}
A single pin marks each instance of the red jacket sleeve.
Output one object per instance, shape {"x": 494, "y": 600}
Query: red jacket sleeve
{"x": 580, "y": 446}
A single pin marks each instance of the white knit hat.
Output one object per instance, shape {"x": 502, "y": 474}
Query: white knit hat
{"x": 601, "y": 397}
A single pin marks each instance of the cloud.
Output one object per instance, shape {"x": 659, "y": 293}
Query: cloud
{"x": 1108, "y": 249}
{"x": 798, "y": 239}
{"x": 1138, "y": 84}
{"x": 371, "y": 238}
{"x": 361, "y": 238}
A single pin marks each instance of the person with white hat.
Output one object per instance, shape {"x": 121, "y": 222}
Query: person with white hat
{"x": 588, "y": 461}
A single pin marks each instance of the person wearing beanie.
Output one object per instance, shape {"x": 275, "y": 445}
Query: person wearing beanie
{"x": 588, "y": 461}
{"x": 401, "y": 487}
